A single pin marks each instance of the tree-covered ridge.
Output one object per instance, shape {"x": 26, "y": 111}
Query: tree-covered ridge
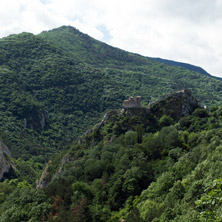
{"x": 38, "y": 76}
{"x": 55, "y": 85}
{"x": 95, "y": 52}
{"x": 72, "y": 80}
{"x": 91, "y": 51}
{"x": 140, "y": 119}
{"x": 182, "y": 160}
{"x": 134, "y": 70}
{"x": 126, "y": 168}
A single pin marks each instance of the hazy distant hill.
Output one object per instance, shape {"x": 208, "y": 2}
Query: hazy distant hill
{"x": 184, "y": 65}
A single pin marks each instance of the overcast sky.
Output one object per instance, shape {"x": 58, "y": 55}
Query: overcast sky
{"x": 181, "y": 30}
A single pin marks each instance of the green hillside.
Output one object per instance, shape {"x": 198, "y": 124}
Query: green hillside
{"x": 91, "y": 51}
{"x": 75, "y": 79}
{"x": 56, "y": 85}
{"x": 136, "y": 165}
{"x": 134, "y": 70}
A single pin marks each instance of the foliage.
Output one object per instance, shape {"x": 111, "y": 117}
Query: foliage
{"x": 155, "y": 179}
{"x": 75, "y": 79}
{"x": 210, "y": 202}
{"x": 134, "y": 165}
{"x": 23, "y": 203}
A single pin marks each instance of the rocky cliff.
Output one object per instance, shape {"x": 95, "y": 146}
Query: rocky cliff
{"x": 36, "y": 119}
{"x": 178, "y": 104}
{"x": 4, "y": 162}
{"x": 46, "y": 177}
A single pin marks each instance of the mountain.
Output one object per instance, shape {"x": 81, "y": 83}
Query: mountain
{"x": 138, "y": 164}
{"x": 91, "y": 51}
{"x": 101, "y": 54}
{"x": 56, "y": 85}
{"x": 173, "y": 74}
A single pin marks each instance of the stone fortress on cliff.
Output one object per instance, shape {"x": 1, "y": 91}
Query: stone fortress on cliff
{"x": 184, "y": 94}
{"x": 131, "y": 102}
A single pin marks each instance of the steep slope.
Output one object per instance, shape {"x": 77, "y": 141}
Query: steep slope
{"x": 118, "y": 122}
{"x": 137, "y": 164}
{"x": 40, "y": 82}
{"x": 134, "y": 71}
{"x": 55, "y": 85}
{"x": 135, "y": 148}
{"x": 90, "y": 50}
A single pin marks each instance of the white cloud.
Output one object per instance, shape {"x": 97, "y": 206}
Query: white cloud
{"x": 186, "y": 31}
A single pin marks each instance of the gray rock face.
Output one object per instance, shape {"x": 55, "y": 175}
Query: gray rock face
{"x": 176, "y": 105}
{"x": 45, "y": 178}
{"x": 4, "y": 163}
{"x": 36, "y": 120}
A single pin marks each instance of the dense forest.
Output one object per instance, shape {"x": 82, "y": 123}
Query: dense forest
{"x": 135, "y": 165}
{"x": 139, "y": 165}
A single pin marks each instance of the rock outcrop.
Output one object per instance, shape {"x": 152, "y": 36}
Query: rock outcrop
{"x": 36, "y": 120}
{"x": 176, "y": 105}
{"x": 4, "y": 162}
{"x": 46, "y": 177}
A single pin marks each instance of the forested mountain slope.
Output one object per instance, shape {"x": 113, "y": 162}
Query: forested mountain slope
{"x": 138, "y": 164}
{"x": 101, "y": 54}
{"x": 67, "y": 80}
{"x": 55, "y": 85}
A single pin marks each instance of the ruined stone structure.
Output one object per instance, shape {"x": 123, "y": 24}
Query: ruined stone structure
{"x": 131, "y": 102}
